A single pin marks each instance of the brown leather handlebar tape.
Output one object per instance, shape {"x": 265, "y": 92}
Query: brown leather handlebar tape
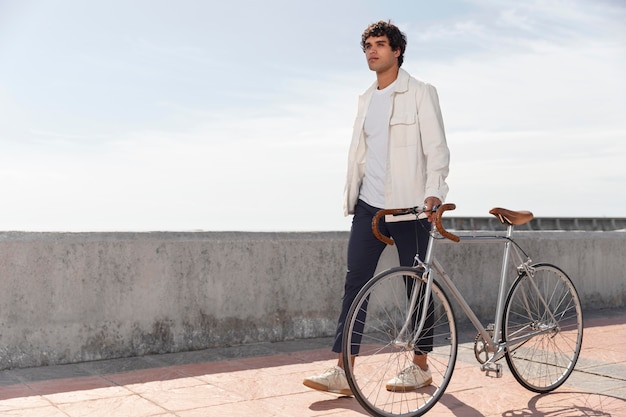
{"x": 381, "y": 213}
{"x": 443, "y": 232}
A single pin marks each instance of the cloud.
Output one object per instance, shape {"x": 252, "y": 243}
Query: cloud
{"x": 249, "y": 169}
{"x": 535, "y": 115}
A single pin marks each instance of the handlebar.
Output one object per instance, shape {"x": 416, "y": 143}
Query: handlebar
{"x": 413, "y": 210}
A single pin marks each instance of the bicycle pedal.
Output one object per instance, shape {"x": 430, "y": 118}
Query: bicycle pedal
{"x": 490, "y": 368}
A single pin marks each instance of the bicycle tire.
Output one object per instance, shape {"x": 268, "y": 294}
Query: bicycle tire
{"x": 380, "y": 358}
{"x": 543, "y": 362}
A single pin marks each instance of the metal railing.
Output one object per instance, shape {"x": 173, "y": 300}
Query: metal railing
{"x": 539, "y": 224}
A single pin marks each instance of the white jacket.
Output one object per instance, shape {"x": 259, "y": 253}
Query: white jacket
{"x": 418, "y": 155}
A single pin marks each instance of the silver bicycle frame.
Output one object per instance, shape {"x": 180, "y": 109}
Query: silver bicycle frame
{"x": 493, "y": 342}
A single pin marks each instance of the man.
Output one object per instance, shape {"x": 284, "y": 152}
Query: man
{"x": 398, "y": 158}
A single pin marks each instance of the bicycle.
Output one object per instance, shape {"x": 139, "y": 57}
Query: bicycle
{"x": 537, "y": 328}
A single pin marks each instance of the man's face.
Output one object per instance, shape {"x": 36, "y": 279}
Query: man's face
{"x": 379, "y": 55}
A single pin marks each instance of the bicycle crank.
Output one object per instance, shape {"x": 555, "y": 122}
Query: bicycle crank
{"x": 481, "y": 347}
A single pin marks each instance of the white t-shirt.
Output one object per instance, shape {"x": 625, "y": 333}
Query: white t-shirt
{"x": 376, "y": 129}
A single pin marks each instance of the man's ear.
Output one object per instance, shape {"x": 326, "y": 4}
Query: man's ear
{"x": 396, "y": 53}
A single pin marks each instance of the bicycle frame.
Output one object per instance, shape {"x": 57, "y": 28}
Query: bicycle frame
{"x": 494, "y": 344}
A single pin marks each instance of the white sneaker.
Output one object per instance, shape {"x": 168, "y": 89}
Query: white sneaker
{"x": 409, "y": 379}
{"x": 333, "y": 380}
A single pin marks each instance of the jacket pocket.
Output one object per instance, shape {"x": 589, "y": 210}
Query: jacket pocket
{"x": 404, "y": 130}
{"x": 403, "y": 119}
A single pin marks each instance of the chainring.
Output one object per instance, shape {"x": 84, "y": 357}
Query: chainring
{"x": 481, "y": 347}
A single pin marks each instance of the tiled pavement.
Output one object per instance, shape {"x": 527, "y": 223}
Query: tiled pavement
{"x": 265, "y": 380}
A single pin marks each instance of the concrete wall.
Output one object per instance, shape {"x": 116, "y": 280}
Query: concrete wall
{"x": 72, "y": 297}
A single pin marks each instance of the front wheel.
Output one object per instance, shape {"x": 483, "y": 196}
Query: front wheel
{"x": 544, "y": 303}
{"x": 383, "y": 352}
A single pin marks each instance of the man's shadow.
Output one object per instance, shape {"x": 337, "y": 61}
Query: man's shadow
{"x": 339, "y": 403}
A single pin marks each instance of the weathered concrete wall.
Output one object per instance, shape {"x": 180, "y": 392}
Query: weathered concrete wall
{"x": 71, "y": 297}
{"x": 595, "y": 262}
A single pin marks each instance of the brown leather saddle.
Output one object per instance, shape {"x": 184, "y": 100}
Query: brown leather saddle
{"x": 511, "y": 217}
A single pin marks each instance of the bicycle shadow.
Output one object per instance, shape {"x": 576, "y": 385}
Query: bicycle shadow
{"x": 457, "y": 407}
{"x": 556, "y": 404}
{"x": 560, "y": 404}
{"x": 571, "y": 404}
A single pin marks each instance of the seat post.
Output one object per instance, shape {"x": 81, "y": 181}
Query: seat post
{"x": 497, "y": 335}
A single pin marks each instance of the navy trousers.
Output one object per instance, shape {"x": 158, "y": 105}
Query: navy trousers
{"x": 364, "y": 250}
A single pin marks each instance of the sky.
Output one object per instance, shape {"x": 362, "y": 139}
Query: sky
{"x": 154, "y": 115}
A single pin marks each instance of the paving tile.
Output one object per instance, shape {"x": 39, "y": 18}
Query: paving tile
{"x": 46, "y": 373}
{"x": 15, "y": 391}
{"x": 130, "y": 405}
{"x": 451, "y": 405}
{"x": 189, "y": 398}
{"x": 208, "y": 368}
{"x": 46, "y": 411}
{"x": 609, "y": 370}
{"x": 303, "y": 345}
{"x": 612, "y": 355}
{"x": 575, "y": 403}
{"x": 613, "y": 317}
{"x": 236, "y": 352}
{"x": 617, "y": 392}
{"x": 87, "y": 395}
{"x": 144, "y": 376}
{"x": 323, "y": 354}
{"x": 259, "y": 383}
{"x": 313, "y": 403}
{"x": 116, "y": 365}
{"x": 183, "y": 358}
{"x": 470, "y": 390}
{"x": 157, "y": 386}
{"x": 269, "y": 362}
{"x": 63, "y": 385}
{"x": 238, "y": 409}
{"x": 23, "y": 403}
{"x": 8, "y": 378}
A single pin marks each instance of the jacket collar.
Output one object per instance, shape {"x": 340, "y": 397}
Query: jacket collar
{"x": 402, "y": 83}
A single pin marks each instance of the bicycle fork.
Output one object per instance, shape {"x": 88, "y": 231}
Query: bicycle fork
{"x": 409, "y": 342}
{"x": 402, "y": 341}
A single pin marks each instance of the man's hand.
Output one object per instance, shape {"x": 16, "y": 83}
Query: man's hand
{"x": 430, "y": 203}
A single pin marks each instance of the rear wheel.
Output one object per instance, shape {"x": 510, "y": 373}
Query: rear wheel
{"x": 383, "y": 353}
{"x": 545, "y": 303}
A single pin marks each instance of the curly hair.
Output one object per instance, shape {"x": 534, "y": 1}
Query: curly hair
{"x": 397, "y": 39}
